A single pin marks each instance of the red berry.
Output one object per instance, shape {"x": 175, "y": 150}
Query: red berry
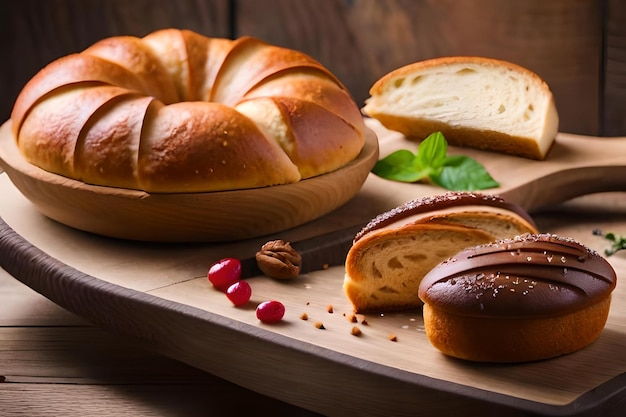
{"x": 239, "y": 293}
{"x": 270, "y": 311}
{"x": 225, "y": 273}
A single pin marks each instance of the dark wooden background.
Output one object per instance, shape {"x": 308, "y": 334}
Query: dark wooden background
{"x": 577, "y": 46}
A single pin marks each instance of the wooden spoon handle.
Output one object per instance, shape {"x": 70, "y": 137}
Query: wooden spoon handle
{"x": 564, "y": 185}
{"x": 576, "y": 165}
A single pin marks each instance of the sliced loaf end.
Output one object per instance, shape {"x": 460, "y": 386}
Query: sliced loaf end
{"x": 475, "y": 102}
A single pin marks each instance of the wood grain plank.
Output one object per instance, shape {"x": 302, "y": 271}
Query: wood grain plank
{"x": 362, "y": 40}
{"x": 358, "y": 40}
{"x": 84, "y": 355}
{"x": 88, "y": 372}
{"x": 163, "y": 400}
{"x": 39, "y": 31}
{"x": 54, "y": 363}
{"x": 614, "y": 102}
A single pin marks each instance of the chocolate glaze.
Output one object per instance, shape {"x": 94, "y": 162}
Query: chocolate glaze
{"x": 530, "y": 275}
{"x": 438, "y": 202}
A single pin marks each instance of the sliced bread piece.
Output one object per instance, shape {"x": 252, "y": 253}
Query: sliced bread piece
{"x": 384, "y": 270}
{"x": 474, "y": 101}
{"x": 391, "y": 255}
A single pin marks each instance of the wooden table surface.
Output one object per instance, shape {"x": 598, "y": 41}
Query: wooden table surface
{"x": 53, "y": 363}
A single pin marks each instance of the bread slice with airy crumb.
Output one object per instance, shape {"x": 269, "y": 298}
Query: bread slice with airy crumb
{"x": 385, "y": 268}
{"x": 393, "y": 252}
{"x": 474, "y": 101}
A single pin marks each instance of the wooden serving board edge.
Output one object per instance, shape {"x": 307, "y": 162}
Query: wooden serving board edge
{"x": 401, "y": 392}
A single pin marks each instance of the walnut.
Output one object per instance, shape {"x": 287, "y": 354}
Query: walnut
{"x": 277, "y": 259}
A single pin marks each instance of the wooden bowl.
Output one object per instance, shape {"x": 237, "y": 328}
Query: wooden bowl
{"x": 185, "y": 217}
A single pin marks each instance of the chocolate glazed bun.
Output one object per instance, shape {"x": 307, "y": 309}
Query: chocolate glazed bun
{"x": 516, "y": 300}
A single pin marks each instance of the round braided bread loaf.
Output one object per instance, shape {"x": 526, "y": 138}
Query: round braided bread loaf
{"x": 176, "y": 111}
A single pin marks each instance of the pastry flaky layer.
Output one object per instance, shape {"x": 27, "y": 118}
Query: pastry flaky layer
{"x": 475, "y": 101}
{"x": 391, "y": 255}
{"x": 176, "y": 111}
{"x": 532, "y": 297}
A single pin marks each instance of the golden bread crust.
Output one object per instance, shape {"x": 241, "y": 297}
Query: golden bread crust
{"x": 514, "y": 339}
{"x": 499, "y": 225}
{"x": 489, "y": 140}
{"x": 162, "y": 114}
{"x": 379, "y": 86}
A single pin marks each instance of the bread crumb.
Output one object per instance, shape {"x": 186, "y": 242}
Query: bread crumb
{"x": 364, "y": 322}
{"x": 319, "y": 325}
{"x": 325, "y": 266}
{"x": 304, "y": 316}
{"x": 355, "y": 331}
{"x": 329, "y": 308}
{"x": 392, "y": 337}
{"x": 353, "y": 318}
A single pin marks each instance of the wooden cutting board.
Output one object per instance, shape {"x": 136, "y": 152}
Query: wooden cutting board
{"x": 158, "y": 293}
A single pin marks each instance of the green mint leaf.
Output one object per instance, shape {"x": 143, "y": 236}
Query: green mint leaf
{"x": 457, "y": 173}
{"x": 462, "y": 173}
{"x": 400, "y": 166}
{"x": 431, "y": 152}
